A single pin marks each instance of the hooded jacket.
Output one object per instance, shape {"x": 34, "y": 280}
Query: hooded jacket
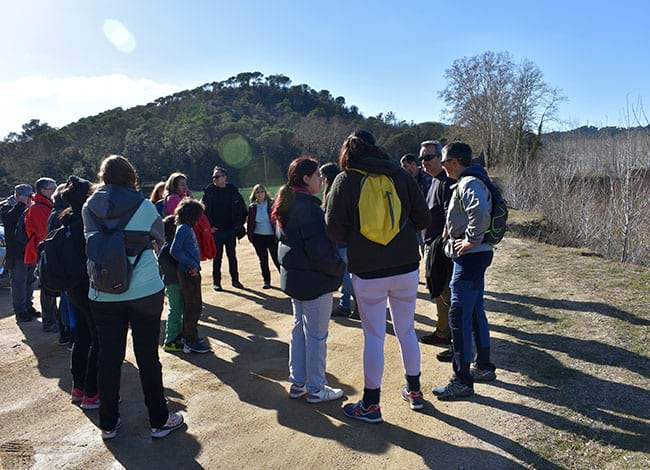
{"x": 36, "y": 219}
{"x": 470, "y": 211}
{"x": 309, "y": 263}
{"x": 10, "y": 212}
{"x": 109, "y": 203}
{"x": 367, "y": 259}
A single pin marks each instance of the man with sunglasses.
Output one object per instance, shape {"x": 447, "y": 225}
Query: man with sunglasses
{"x": 226, "y": 211}
{"x": 468, "y": 218}
{"x": 438, "y": 200}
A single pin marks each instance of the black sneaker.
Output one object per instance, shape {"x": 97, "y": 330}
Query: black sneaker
{"x": 453, "y": 390}
{"x": 64, "y": 340}
{"x": 237, "y": 285}
{"x": 355, "y": 314}
{"x": 341, "y": 311}
{"x": 199, "y": 346}
{"x": 267, "y": 285}
{"x": 482, "y": 375}
{"x": 217, "y": 287}
{"x": 33, "y": 312}
{"x": 445, "y": 356}
{"x": 435, "y": 340}
{"x": 24, "y": 317}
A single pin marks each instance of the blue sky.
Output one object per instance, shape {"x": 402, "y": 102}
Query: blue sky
{"x": 58, "y": 65}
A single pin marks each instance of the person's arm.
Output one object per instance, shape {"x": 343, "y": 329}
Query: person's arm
{"x": 338, "y": 214}
{"x": 474, "y": 197}
{"x": 319, "y": 248}
{"x": 420, "y": 214}
{"x": 178, "y": 251}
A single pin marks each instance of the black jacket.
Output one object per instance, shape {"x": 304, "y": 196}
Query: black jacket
{"x": 366, "y": 258}
{"x": 168, "y": 265}
{"x": 10, "y": 213}
{"x": 310, "y": 264}
{"x": 438, "y": 199}
{"x": 225, "y": 207}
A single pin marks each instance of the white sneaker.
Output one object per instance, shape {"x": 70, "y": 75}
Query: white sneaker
{"x": 106, "y": 435}
{"x": 325, "y": 394}
{"x": 174, "y": 421}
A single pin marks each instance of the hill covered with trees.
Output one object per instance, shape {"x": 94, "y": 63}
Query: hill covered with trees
{"x": 252, "y": 124}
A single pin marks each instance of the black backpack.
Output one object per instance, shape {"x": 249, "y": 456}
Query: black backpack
{"x": 60, "y": 265}
{"x": 499, "y": 215}
{"x": 108, "y": 251}
{"x": 161, "y": 208}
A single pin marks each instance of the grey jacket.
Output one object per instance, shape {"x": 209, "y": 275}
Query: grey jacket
{"x": 469, "y": 213}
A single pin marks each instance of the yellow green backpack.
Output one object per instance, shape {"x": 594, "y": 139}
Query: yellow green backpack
{"x": 380, "y": 208}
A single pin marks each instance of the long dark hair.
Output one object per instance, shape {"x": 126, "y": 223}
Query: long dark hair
{"x": 298, "y": 169}
{"x": 360, "y": 144}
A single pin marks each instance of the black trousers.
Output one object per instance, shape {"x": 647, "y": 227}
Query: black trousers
{"x": 83, "y": 361}
{"x": 225, "y": 239}
{"x": 265, "y": 244}
{"x": 113, "y": 320}
{"x": 192, "y": 304}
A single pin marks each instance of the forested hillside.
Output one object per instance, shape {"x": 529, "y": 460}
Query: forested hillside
{"x": 252, "y": 124}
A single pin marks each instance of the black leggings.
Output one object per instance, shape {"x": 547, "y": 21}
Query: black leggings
{"x": 265, "y": 244}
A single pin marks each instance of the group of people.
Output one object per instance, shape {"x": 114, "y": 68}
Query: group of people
{"x": 138, "y": 250}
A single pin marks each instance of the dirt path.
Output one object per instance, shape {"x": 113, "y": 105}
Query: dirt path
{"x": 572, "y": 388}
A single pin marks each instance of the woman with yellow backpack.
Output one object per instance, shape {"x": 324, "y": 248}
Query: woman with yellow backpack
{"x": 376, "y": 208}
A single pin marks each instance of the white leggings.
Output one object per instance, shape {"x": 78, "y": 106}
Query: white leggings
{"x": 371, "y": 295}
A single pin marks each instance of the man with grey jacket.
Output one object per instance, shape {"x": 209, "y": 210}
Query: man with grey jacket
{"x": 468, "y": 218}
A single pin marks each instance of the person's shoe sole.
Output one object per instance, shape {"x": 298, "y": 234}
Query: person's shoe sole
{"x": 316, "y": 400}
{"x": 295, "y": 396}
{"x": 188, "y": 350}
{"x": 435, "y": 340}
{"x": 457, "y": 396}
{"x": 165, "y": 432}
{"x": 88, "y": 407}
{"x": 106, "y": 435}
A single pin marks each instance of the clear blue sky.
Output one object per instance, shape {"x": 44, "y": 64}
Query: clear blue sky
{"x": 59, "y": 65}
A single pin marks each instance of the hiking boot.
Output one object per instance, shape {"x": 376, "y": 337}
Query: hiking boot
{"x": 372, "y": 414}
{"x": 199, "y": 345}
{"x": 174, "y": 421}
{"x": 297, "y": 390}
{"x": 414, "y": 398}
{"x": 217, "y": 287}
{"x": 76, "y": 395}
{"x": 341, "y": 311}
{"x": 90, "y": 403}
{"x": 237, "y": 285}
{"x": 110, "y": 434}
{"x": 453, "y": 390}
{"x": 326, "y": 393}
{"x": 445, "y": 356}
{"x": 482, "y": 375}
{"x": 435, "y": 340}
{"x": 173, "y": 346}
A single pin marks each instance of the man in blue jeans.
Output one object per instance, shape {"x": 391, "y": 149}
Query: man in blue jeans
{"x": 468, "y": 218}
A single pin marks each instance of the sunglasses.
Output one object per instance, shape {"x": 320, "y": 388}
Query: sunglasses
{"x": 428, "y": 158}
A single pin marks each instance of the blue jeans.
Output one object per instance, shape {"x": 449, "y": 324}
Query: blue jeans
{"x": 467, "y": 314}
{"x": 347, "y": 292}
{"x": 308, "y": 346}
{"x": 23, "y": 282}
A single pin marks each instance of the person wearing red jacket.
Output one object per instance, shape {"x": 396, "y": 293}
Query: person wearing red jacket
{"x": 36, "y": 217}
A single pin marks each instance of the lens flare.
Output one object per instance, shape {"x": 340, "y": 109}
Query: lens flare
{"x": 235, "y": 150}
{"x": 118, "y": 35}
